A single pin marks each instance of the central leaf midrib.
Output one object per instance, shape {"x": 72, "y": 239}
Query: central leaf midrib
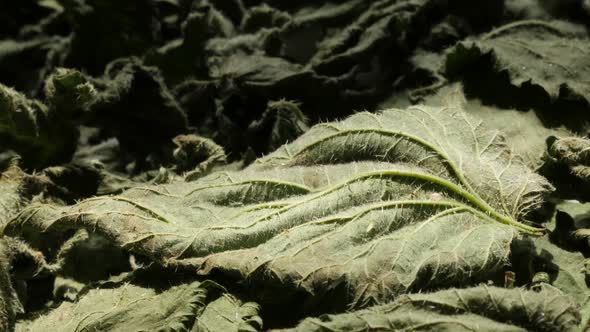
{"x": 470, "y": 194}
{"x": 474, "y": 200}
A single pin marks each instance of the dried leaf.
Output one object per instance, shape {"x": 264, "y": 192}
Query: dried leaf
{"x": 10, "y": 304}
{"x": 472, "y": 309}
{"x": 29, "y": 128}
{"x": 526, "y": 64}
{"x": 11, "y": 198}
{"x": 126, "y": 308}
{"x": 328, "y": 212}
{"x": 567, "y": 165}
{"x": 227, "y": 313}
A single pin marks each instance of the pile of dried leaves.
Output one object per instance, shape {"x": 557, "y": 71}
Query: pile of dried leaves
{"x": 246, "y": 165}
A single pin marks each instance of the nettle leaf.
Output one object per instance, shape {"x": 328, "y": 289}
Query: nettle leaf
{"x": 18, "y": 264}
{"x": 10, "y": 304}
{"x": 11, "y": 200}
{"x": 560, "y": 254}
{"x": 197, "y": 154}
{"x": 566, "y": 270}
{"x": 227, "y": 313}
{"x": 528, "y": 64}
{"x": 526, "y": 132}
{"x": 572, "y": 152}
{"x": 29, "y": 128}
{"x": 473, "y": 309}
{"x": 553, "y": 55}
{"x": 567, "y": 164}
{"x": 368, "y": 208}
{"x": 281, "y": 122}
{"x": 125, "y": 308}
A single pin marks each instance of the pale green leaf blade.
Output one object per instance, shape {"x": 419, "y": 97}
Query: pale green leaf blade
{"x": 369, "y": 208}
{"x": 126, "y": 308}
{"x": 472, "y": 309}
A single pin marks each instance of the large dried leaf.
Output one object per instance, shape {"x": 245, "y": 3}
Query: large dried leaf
{"x": 126, "y": 308}
{"x": 368, "y": 208}
{"x": 558, "y": 255}
{"x": 188, "y": 307}
{"x": 529, "y": 64}
{"x": 473, "y": 309}
{"x": 553, "y": 55}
